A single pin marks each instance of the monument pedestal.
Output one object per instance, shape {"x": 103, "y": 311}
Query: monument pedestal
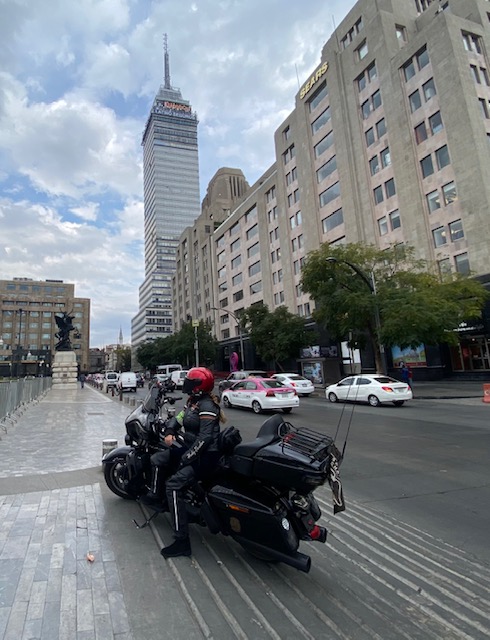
{"x": 64, "y": 370}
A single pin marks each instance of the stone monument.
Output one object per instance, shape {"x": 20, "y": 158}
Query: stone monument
{"x": 64, "y": 369}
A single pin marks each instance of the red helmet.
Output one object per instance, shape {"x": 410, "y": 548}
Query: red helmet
{"x": 198, "y": 379}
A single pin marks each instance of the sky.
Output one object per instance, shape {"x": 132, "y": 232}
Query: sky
{"x": 77, "y": 82}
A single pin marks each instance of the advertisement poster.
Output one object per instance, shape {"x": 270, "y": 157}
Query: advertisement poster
{"x": 313, "y": 371}
{"x": 412, "y": 357}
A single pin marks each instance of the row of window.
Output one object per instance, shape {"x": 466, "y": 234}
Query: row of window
{"x": 434, "y": 126}
{"x": 389, "y": 223}
{"x": 428, "y": 91}
{"x": 376, "y": 163}
{"x": 35, "y": 288}
{"x": 480, "y": 75}
{"x": 461, "y": 264}
{"x": 326, "y": 169}
{"x": 375, "y": 133}
{"x": 351, "y": 34}
{"x": 452, "y": 233}
{"x": 449, "y": 195}
{"x": 416, "y": 63}
{"x": 387, "y": 190}
{"x": 371, "y": 104}
{"x": 324, "y": 144}
{"x": 442, "y": 160}
{"x": 367, "y": 76}
{"x": 321, "y": 121}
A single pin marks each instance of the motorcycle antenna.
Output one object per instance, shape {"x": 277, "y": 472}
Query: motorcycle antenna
{"x": 349, "y": 424}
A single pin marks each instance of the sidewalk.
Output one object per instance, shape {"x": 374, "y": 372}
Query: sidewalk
{"x": 54, "y": 510}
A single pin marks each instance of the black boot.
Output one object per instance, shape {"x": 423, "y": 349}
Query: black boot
{"x": 156, "y": 498}
{"x": 180, "y": 547}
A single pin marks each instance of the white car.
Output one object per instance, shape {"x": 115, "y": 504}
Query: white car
{"x": 177, "y": 377}
{"x": 302, "y": 385}
{"x": 260, "y": 394}
{"x": 372, "y": 388}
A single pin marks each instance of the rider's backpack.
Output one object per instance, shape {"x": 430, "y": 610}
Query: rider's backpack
{"x": 228, "y": 440}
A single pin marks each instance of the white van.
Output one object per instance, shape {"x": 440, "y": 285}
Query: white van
{"x": 178, "y": 376}
{"x": 127, "y": 381}
{"x": 110, "y": 380}
{"x": 166, "y": 369}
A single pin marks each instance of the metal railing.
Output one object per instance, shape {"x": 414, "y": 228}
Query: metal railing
{"x": 15, "y": 396}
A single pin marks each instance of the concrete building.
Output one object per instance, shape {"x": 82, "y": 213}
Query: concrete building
{"x": 388, "y": 143}
{"x": 171, "y": 203}
{"x": 28, "y": 327}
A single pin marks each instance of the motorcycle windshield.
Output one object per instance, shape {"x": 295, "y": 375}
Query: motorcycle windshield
{"x": 150, "y": 404}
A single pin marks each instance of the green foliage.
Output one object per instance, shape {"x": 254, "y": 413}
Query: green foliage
{"x": 277, "y": 335}
{"x": 179, "y": 347}
{"x": 413, "y": 304}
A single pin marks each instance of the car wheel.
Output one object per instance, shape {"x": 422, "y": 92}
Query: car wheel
{"x": 287, "y": 410}
{"x": 373, "y": 400}
{"x": 332, "y": 397}
{"x": 227, "y": 402}
{"x": 256, "y": 407}
{"x": 398, "y": 403}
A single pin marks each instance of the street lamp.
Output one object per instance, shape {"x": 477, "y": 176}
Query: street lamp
{"x": 371, "y": 283}
{"x": 240, "y": 335}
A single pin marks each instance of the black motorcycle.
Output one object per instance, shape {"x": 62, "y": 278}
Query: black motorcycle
{"x": 262, "y": 491}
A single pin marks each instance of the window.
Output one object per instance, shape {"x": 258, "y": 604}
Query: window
{"x": 401, "y": 34}
{"x": 254, "y": 268}
{"x": 238, "y": 296}
{"x": 289, "y": 154}
{"x": 251, "y": 214}
{"x": 369, "y": 137}
{"x": 435, "y": 123}
{"x": 433, "y": 201}
{"x": 376, "y": 97}
{"x": 361, "y": 82}
{"x": 426, "y": 166}
{"x": 330, "y": 194}
{"x": 235, "y": 229}
{"x": 429, "y": 89}
{"x": 385, "y": 158}
{"x": 390, "y": 188}
{"x": 234, "y": 246}
{"x": 236, "y": 262}
{"x": 439, "y": 236}
{"x": 415, "y": 101}
{"x": 383, "y": 226}
{"x": 475, "y": 74}
{"x": 286, "y": 134}
{"x": 483, "y": 107}
{"x": 420, "y": 133}
{"x": 422, "y": 58}
{"x": 366, "y": 109}
{"x": 272, "y": 215}
{"x": 327, "y": 169}
{"x": 374, "y": 165}
{"x": 456, "y": 230}
{"x": 324, "y": 144}
{"x": 321, "y": 121}
{"x": 462, "y": 263}
{"x": 256, "y": 287}
{"x": 444, "y": 267}
{"x": 236, "y": 279}
{"x": 252, "y": 232}
{"x": 395, "y": 221}
{"x": 484, "y": 75}
{"x": 381, "y": 128}
{"x": 409, "y": 70}
{"x": 362, "y": 51}
{"x": 372, "y": 72}
{"x": 378, "y": 195}
{"x": 442, "y": 157}
{"x": 332, "y": 221}
{"x": 222, "y": 272}
{"x": 449, "y": 193}
{"x": 271, "y": 194}
{"x": 317, "y": 97}
{"x": 471, "y": 42}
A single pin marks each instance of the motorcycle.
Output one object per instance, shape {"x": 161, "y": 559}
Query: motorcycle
{"x": 261, "y": 494}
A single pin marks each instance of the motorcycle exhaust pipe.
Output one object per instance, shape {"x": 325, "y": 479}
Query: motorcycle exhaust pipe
{"x": 298, "y": 560}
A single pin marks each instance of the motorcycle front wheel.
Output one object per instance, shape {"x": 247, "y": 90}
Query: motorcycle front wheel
{"x": 115, "y": 475}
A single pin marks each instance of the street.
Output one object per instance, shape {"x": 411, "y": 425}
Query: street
{"x": 409, "y": 557}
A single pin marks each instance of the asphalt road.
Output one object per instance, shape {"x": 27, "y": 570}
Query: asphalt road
{"x": 409, "y": 558}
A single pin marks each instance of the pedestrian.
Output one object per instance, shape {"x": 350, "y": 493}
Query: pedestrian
{"x": 82, "y": 380}
{"x": 201, "y": 420}
{"x": 234, "y": 361}
{"x": 405, "y": 373}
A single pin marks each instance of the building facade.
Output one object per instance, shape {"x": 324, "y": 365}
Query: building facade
{"x": 389, "y": 142}
{"x": 28, "y": 327}
{"x": 171, "y": 203}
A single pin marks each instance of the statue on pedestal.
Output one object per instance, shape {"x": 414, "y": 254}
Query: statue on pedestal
{"x": 65, "y": 325}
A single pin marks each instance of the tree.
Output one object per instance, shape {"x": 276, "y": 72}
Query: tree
{"x": 277, "y": 335}
{"x": 123, "y": 359}
{"x": 387, "y": 297}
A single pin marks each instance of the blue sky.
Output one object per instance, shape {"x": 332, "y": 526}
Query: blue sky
{"x": 77, "y": 80}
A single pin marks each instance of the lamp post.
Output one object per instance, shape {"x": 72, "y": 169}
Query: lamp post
{"x": 371, "y": 283}
{"x": 240, "y": 335}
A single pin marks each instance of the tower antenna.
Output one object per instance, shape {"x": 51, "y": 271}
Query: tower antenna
{"x": 166, "y": 62}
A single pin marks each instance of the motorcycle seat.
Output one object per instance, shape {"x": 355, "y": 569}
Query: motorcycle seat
{"x": 268, "y": 432}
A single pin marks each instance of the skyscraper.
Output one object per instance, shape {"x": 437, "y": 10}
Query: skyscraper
{"x": 171, "y": 203}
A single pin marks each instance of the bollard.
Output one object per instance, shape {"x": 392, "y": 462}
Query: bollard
{"x": 486, "y": 392}
{"x": 112, "y": 391}
{"x": 108, "y": 446}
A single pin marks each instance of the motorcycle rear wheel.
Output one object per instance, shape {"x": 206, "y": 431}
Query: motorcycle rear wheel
{"x": 114, "y": 475}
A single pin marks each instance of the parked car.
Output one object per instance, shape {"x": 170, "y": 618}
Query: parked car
{"x": 372, "y": 388}
{"x": 177, "y": 377}
{"x": 260, "y": 394}
{"x": 302, "y": 385}
{"x": 140, "y": 380}
{"x": 235, "y": 376}
{"x": 127, "y": 381}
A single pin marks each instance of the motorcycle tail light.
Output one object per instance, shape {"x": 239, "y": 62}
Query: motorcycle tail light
{"x": 318, "y": 533}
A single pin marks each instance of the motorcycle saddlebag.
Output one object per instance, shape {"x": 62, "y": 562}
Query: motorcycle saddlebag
{"x": 253, "y": 514}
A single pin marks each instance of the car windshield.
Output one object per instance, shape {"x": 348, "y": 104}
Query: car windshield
{"x": 385, "y": 380}
{"x": 272, "y": 384}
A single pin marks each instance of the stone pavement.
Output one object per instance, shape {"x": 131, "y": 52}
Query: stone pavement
{"x": 56, "y": 513}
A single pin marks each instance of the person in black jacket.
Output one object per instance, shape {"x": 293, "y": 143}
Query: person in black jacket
{"x": 201, "y": 421}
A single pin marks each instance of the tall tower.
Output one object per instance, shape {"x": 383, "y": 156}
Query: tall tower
{"x": 171, "y": 203}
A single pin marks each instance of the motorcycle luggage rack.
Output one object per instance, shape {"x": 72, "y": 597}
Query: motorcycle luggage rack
{"x": 310, "y": 443}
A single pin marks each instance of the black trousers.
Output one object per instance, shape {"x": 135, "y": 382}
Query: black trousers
{"x": 164, "y": 463}
{"x": 179, "y": 482}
